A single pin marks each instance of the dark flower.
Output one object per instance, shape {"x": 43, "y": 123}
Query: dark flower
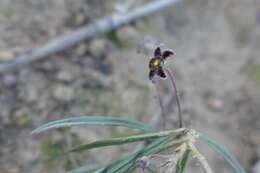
{"x": 157, "y": 61}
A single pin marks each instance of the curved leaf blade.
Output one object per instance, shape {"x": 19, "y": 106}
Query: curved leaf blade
{"x": 129, "y": 163}
{"x": 222, "y": 152}
{"x": 84, "y": 169}
{"x": 123, "y": 140}
{"x": 93, "y": 120}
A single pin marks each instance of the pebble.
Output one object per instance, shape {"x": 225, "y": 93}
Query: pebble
{"x": 64, "y": 76}
{"x": 106, "y": 67}
{"x": 127, "y": 34}
{"x": 215, "y": 104}
{"x": 5, "y": 118}
{"x": 81, "y": 49}
{"x": 79, "y": 19}
{"x": 9, "y": 80}
{"x": 32, "y": 94}
{"x": 63, "y": 93}
{"x": 98, "y": 47}
{"x": 6, "y": 55}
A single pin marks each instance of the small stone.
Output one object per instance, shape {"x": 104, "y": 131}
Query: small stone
{"x": 9, "y": 80}
{"x": 32, "y": 94}
{"x": 79, "y": 19}
{"x": 63, "y": 93}
{"x": 127, "y": 34}
{"x": 5, "y": 118}
{"x": 28, "y": 94}
{"x": 106, "y": 67}
{"x": 13, "y": 170}
{"x": 98, "y": 47}
{"x": 48, "y": 66}
{"x": 6, "y": 55}
{"x": 28, "y": 149}
{"x": 57, "y": 137}
{"x": 64, "y": 76}
{"x": 19, "y": 113}
{"x": 81, "y": 49}
{"x": 215, "y": 104}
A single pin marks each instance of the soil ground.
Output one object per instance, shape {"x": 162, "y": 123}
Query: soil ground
{"x": 217, "y": 70}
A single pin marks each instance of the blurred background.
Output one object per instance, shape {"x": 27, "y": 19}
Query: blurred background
{"x": 217, "y": 70}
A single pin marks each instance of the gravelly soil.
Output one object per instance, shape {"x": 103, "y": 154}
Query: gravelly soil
{"x": 216, "y": 68}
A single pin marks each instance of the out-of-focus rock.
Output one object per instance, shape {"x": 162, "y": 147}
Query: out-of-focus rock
{"x": 28, "y": 94}
{"x": 64, "y": 76}
{"x": 79, "y": 19}
{"x": 81, "y": 49}
{"x": 57, "y": 137}
{"x": 9, "y": 80}
{"x": 63, "y": 93}
{"x": 13, "y": 170}
{"x": 98, "y": 47}
{"x": 6, "y": 55}
{"x": 215, "y": 104}
{"x": 28, "y": 150}
{"x": 106, "y": 67}
{"x": 5, "y": 117}
{"x": 127, "y": 34}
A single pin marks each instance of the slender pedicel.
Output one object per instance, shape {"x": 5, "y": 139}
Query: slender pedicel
{"x": 176, "y": 96}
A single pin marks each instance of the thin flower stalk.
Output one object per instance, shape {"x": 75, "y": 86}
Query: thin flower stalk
{"x": 176, "y": 96}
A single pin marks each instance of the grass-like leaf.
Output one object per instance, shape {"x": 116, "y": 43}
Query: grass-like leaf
{"x": 222, "y": 152}
{"x": 93, "y": 120}
{"x": 88, "y": 169}
{"x": 129, "y": 164}
{"x": 182, "y": 163}
{"x": 124, "y": 140}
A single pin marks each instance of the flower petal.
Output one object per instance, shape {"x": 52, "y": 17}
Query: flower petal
{"x": 151, "y": 74}
{"x": 157, "y": 52}
{"x": 161, "y": 73}
{"x": 167, "y": 53}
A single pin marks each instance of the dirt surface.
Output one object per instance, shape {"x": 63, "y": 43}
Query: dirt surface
{"x": 217, "y": 69}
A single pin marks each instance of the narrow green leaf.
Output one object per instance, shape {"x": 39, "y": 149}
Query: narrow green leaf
{"x": 123, "y": 140}
{"x": 129, "y": 163}
{"x": 160, "y": 145}
{"x": 222, "y": 152}
{"x": 86, "y": 169}
{"x": 93, "y": 120}
{"x": 182, "y": 163}
{"x": 124, "y": 164}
